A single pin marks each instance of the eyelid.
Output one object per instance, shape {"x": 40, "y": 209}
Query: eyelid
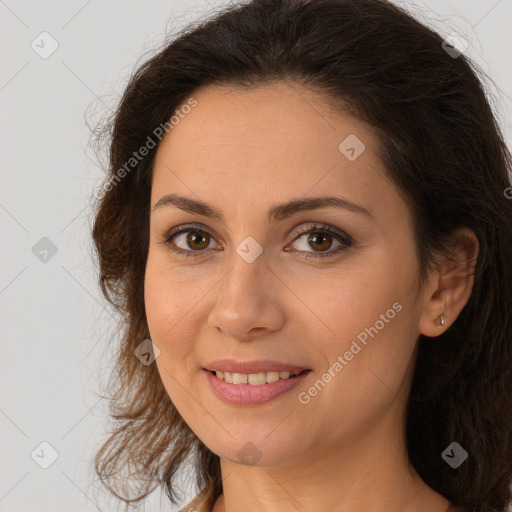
{"x": 298, "y": 231}
{"x": 345, "y": 240}
{"x": 185, "y": 228}
{"x": 324, "y": 228}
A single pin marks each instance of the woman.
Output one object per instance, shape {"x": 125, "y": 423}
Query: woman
{"x": 306, "y": 228}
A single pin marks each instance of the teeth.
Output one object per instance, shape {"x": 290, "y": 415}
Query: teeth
{"x": 239, "y": 378}
{"x": 272, "y": 377}
{"x": 254, "y": 379}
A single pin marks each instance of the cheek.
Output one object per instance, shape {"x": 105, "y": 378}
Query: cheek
{"x": 166, "y": 304}
{"x": 352, "y": 297}
{"x": 169, "y": 296}
{"x": 168, "y": 314}
{"x": 174, "y": 298}
{"x": 368, "y": 319}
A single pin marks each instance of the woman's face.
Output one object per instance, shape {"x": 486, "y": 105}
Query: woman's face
{"x": 341, "y": 304}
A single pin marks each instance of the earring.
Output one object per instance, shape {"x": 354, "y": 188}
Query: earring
{"x": 442, "y": 320}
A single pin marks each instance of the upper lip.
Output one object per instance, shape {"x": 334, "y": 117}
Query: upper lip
{"x": 263, "y": 365}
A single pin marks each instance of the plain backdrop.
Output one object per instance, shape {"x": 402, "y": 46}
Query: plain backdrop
{"x": 54, "y": 323}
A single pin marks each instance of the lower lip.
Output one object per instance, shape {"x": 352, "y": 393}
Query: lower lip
{"x": 247, "y": 394}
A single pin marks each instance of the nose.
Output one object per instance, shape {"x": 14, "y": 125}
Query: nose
{"x": 248, "y": 303}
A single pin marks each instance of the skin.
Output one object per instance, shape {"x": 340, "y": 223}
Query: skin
{"x": 243, "y": 152}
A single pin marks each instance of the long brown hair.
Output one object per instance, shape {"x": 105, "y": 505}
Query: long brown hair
{"x": 441, "y": 146}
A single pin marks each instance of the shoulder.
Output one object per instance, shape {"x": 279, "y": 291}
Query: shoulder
{"x": 201, "y": 503}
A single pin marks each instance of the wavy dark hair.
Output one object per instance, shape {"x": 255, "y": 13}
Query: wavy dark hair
{"x": 442, "y": 147}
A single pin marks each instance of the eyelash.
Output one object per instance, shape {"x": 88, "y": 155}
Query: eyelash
{"x": 321, "y": 229}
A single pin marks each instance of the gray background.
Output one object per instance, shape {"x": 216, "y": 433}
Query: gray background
{"x": 54, "y": 323}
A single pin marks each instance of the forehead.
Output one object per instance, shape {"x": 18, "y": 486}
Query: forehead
{"x": 275, "y": 117}
{"x": 265, "y": 144}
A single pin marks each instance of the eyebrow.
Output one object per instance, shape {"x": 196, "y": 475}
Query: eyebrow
{"x": 276, "y": 213}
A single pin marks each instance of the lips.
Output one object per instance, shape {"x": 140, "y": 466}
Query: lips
{"x": 231, "y": 366}
{"x": 253, "y": 394}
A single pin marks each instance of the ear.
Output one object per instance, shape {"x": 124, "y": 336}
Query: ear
{"x": 450, "y": 284}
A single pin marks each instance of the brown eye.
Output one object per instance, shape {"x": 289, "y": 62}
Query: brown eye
{"x": 197, "y": 239}
{"x": 193, "y": 241}
{"x": 189, "y": 241}
{"x": 320, "y": 239}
